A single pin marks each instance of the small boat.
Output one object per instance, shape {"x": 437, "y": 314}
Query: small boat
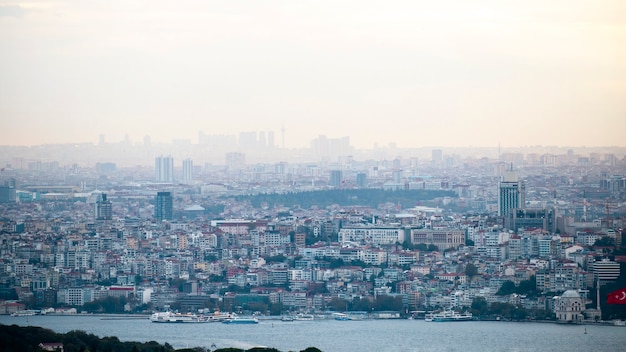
{"x": 171, "y": 317}
{"x": 305, "y": 317}
{"x": 448, "y": 315}
{"x": 341, "y": 317}
{"x": 237, "y": 320}
{"x": 287, "y": 318}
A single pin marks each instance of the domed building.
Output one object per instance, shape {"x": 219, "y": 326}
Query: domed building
{"x": 569, "y": 307}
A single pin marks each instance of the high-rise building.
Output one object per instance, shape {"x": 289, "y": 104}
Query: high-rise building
{"x": 335, "y": 178}
{"x": 361, "y": 179}
{"x": 164, "y": 169}
{"x": 104, "y": 208}
{"x": 235, "y": 161}
{"x": 187, "y": 170}
{"x": 163, "y": 206}
{"x": 7, "y": 193}
{"x": 606, "y": 270}
{"x": 511, "y": 194}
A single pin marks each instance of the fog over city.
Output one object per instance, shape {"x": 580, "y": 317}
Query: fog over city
{"x": 410, "y": 73}
{"x": 314, "y": 162}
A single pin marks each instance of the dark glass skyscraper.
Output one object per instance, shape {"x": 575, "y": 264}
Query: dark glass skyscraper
{"x": 163, "y": 206}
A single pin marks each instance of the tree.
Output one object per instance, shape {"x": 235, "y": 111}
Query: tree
{"x": 471, "y": 270}
{"x": 528, "y": 287}
{"x": 384, "y": 302}
{"x": 507, "y": 288}
{"x": 361, "y": 304}
{"x": 479, "y": 306}
{"x": 338, "y": 304}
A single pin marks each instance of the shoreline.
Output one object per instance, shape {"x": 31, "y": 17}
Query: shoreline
{"x": 141, "y": 316}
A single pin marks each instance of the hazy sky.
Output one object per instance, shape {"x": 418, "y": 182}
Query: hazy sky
{"x": 417, "y": 73}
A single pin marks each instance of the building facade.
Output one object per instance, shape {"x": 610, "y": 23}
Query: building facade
{"x": 511, "y": 194}
{"x": 164, "y": 169}
{"x": 163, "y": 206}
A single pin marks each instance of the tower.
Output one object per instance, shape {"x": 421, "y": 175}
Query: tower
{"x": 511, "y": 194}
{"x": 335, "y": 178}
{"x": 163, "y": 205}
{"x": 187, "y": 170}
{"x": 104, "y": 208}
{"x": 164, "y": 169}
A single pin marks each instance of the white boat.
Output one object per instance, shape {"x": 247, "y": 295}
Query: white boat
{"x": 448, "y": 315}
{"x": 171, "y": 317}
{"x": 238, "y": 320}
{"x": 221, "y": 316}
{"x": 23, "y": 313}
{"x": 305, "y": 317}
{"x": 341, "y": 316}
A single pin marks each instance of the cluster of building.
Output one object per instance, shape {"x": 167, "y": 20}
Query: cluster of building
{"x": 79, "y": 235}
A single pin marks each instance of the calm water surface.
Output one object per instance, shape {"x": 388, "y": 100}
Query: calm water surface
{"x": 366, "y": 335}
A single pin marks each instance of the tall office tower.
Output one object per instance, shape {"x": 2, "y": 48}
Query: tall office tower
{"x": 163, "y": 206}
{"x": 361, "y": 179}
{"x": 335, "y": 178}
{"x": 511, "y": 194}
{"x": 104, "y": 208}
{"x": 187, "y": 170}
{"x": 235, "y": 161}
{"x": 8, "y": 193}
{"x": 164, "y": 169}
{"x": 437, "y": 155}
{"x": 248, "y": 140}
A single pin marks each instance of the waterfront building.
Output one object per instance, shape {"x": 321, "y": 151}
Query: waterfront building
{"x": 569, "y": 307}
{"x": 606, "y": 270}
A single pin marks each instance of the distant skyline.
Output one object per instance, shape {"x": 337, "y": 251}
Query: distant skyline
{"x": 415, "y": 73}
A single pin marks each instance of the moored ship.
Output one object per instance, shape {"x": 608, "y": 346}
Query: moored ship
{"x": 237, "y": 320}
{"x": 448, "y": 315}
{"x": 171, "y": 317}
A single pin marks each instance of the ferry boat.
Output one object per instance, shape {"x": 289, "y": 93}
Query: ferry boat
{"x": 171, "y": 317}
{"x": 448, "y": 315}
{"x": 237, "y": 320}
{"x": 24, "y": 313}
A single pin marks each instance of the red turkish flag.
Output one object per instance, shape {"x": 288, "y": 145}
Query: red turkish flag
{"x": 617, "y": 297}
